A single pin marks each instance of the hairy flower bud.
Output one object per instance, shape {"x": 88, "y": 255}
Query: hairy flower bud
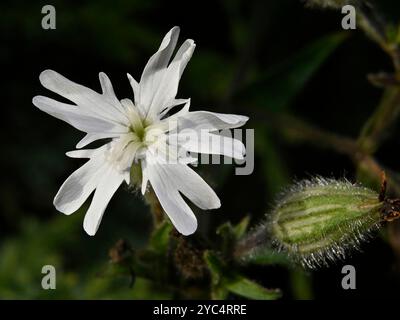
{"x": 318, "y": 220}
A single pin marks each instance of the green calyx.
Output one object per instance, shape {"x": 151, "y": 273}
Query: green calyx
{"x": 136, "y": 175}
{"x": 318, "y": 220}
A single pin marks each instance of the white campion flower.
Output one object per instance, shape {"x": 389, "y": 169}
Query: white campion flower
{"x": 139, "y": 132}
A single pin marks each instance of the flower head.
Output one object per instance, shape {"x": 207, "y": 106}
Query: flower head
{"x": 144, "y": 133}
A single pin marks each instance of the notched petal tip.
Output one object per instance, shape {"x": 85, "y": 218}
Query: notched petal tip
{"x": 186, "y": 50}
{"x": 191, "y": 43}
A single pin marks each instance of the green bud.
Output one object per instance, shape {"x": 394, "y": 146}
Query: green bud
{"x": 317, "y": 220}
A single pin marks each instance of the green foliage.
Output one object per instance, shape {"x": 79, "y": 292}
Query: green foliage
{"x": 226, "y": 280}
{"x": 249, "y": 289}
{"x": 23, "y": 257}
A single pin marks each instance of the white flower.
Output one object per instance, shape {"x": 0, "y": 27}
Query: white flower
{"x": 139, "y": 133}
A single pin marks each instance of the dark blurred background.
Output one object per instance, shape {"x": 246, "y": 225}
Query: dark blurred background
{"x": 251, "y": 57}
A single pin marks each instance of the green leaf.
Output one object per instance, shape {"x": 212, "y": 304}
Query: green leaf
{"x": 241, "y": 228}
{"x": 219, "y": 293}
{"x": 214, "y": 265}
{"x": 226, "y": 230}
{"x": 252, "y": 290}
{"x": 224, "y": 281}
{"x": 227, "y": 234}
{"x": 216, "y": 268}
{"x": 231, "y": 234}
{"x": 278, "y": 87}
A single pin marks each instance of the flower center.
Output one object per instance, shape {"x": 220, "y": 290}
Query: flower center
{"x": 129, "y": 147}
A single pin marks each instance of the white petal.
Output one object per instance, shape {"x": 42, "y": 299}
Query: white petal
{"x": 187, "y": 181}
{"x": 183, "y": 56}
{"x": 173, "y": 103}
{"x": 210, "y": 143}
{"x": 76, "y": 117}
{"x": 155, "y": 69}
{"x": 136, "y": 92}
{"x": 92, "y": 102}
{"x": 133, "y": 113}
{"x": 108, "y": 92}
{"x": 86, "y": 153}
{"x": 127, "y": 177}
{"x": 134, "y": 84}
{"x": 91, "y": 137}
{"x": 145, "y": 178}
{"x": 171, "y": 201}
{"x": 212, "y": 121}
{"x": 168, "y": 87}
{"x": 79, "y": 185}
{"x": 108, "y": 185}
{"x": 80, "y": 154}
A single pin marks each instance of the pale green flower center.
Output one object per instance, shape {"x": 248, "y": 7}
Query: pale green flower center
{"x": 130, "y": 146}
